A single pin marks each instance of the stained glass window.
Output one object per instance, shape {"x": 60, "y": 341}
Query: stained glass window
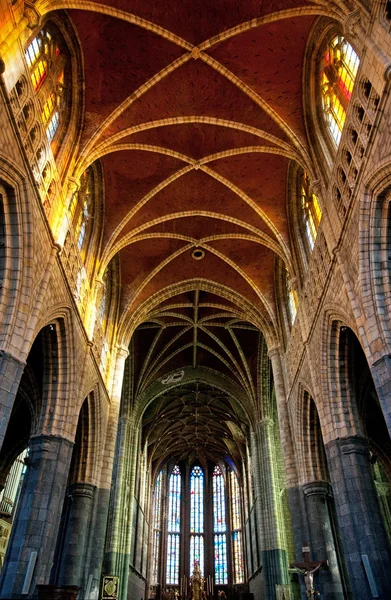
{"x": 339, "y": 72}
{"x": 311, "y": 211}
{"x": 237, "y": 541}
{"x": 174, "y": 527}
{"x": 47, "y": 63}
{"x": 157, "y": 527}
{"x": 81, "y": 209}
{"x": 196, "y": 518}
{"x": 291, "y": 298}
{"x": 197, "y": 552}
{"x": 219, "y": 527}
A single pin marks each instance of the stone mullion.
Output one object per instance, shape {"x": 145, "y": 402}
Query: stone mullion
{"x": 11, "y": 371}
{"x": 38, "y": 515}
{"x": 361, "y": 525}
{"x": 273, "y": 553}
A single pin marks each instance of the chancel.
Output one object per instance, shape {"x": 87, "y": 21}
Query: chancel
{"x": 195, "y": 300}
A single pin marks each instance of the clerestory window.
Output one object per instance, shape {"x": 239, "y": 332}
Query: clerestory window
{"x": 48, "y": 62}
{"x": 340, "y": 66}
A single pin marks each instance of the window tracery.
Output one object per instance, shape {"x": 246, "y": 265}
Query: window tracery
{"x": 81, "y": 210}
{"x": 173, "y": 527}
{"x": 47, "y": 61}
{"x": 219, "y": 528}
{"x": 237, "y": 539}
{"x": 311, "y": 211}
{"x": 197, "y": 517}
{"x": 340, "y": 66}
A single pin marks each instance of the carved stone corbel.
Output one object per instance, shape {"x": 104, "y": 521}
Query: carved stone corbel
{"x": 32, "y": 15}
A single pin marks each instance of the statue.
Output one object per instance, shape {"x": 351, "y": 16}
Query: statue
{"x": 197, "y": 583}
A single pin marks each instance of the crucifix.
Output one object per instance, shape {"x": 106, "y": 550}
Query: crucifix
{"x": 308, "y": 568}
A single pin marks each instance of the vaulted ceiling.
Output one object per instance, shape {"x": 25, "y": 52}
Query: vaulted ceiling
{"x": 195, "y": 110}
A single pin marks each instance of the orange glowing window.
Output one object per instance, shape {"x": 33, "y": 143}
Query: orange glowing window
{"x": 47, "y": 64}
{"x": 311, "y": 210}
{"x": 337, "y": 80}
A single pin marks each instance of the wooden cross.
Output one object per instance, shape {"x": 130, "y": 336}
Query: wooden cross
{"x": 307, "y": 568}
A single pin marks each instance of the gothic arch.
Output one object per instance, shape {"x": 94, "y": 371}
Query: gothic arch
{"x": 311, "y": 457}
{"x": 322, "y": 148}
{"x": 15, "y": 245}
{"x": 71, "y": 128}
{"x": 375, "y": 252}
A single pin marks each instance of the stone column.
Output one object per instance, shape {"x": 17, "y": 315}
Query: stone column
{"x": 76, "y": 532}
{"x": 11, "y": 371}
{"x": 381, "y": 373}
{"x": 364, "y": 539}
{"x": 295, "y": 495}
{"x": 273, "y": 554}
{"x": 95, "y": 545}
{"x": 120, "y": 522}
{"x": 321, "y": 537}
{"x": 38, "y": 515}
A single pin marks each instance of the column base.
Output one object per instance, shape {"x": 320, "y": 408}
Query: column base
{"x": 58, "y": 592}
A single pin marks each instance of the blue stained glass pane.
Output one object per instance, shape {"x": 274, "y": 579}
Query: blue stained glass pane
{"x": 197, "y": 500}
{"x": 174, "y": 527}
{"x": 173, "y": 540}
{"x": 221, "y": 563}
{"x": 238, "y": 557}
{"x": 197, "y": 518}
{"x": 197, "y": 552}
{"x": 218, "y": 501}
{"x": 174, "y": 503}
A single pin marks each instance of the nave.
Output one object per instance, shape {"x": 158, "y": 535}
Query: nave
{"x": 195, "y": 334}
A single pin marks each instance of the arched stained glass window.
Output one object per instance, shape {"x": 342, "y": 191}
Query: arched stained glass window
{"x": 219, "y": 528}
{"x": 311, "y": 211}
{"x": 291, "y": 298}
{"x": 47, "y": 61}
{"x": 340, "y": 66}
{"x": 173, "y": 527}
{"x": 81, "y": 209}
{"x": 157, "y": 528}
{"x": 197, "y": 518}
{"x": 237, "y": 539}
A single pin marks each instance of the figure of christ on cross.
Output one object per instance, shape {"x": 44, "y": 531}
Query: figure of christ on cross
{"x": 308, "y": 568}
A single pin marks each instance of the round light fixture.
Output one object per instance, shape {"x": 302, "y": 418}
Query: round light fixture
{"x": 198, "y": 254}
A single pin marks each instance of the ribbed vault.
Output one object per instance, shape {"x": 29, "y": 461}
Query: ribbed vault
{"x": 195, "y": 111}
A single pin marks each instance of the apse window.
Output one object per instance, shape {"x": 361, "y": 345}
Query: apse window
{"x": 219, "y": 528}
{"x": 173, "y": 527}
{"x": 197, "y": 519}
{"x": 340, "y": 66}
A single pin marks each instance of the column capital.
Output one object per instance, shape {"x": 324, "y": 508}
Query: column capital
{"x": 316, "y": 488}
{"x": 81, "y": 488}
{"x": 274, "y": 351}
{"x": 122, "y": 351}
